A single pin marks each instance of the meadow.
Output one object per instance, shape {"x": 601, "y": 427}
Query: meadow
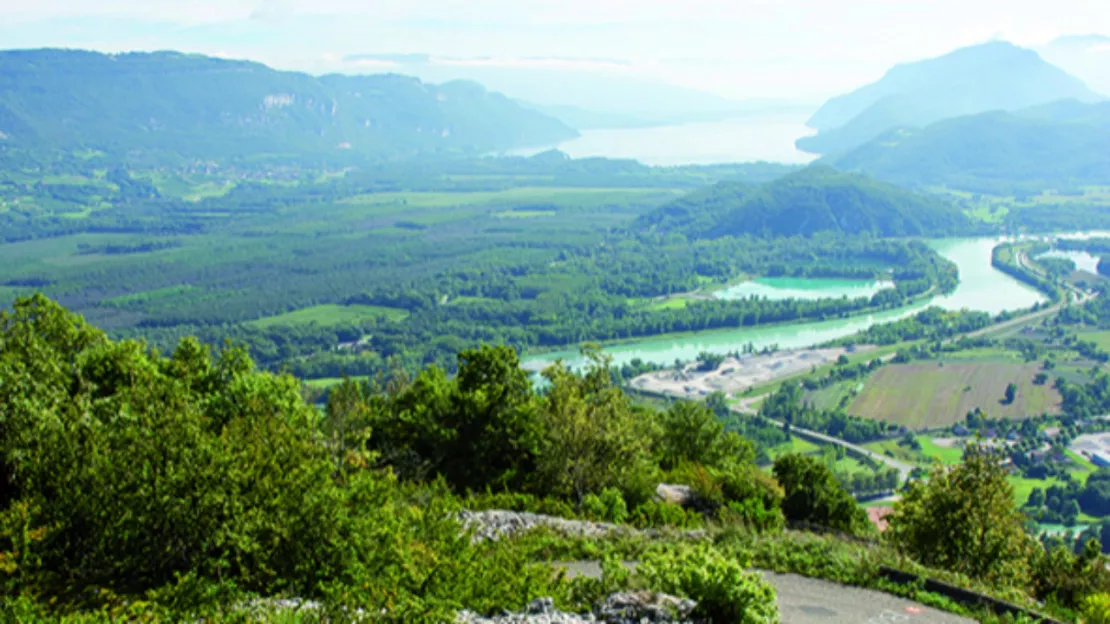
{"x": 932, "y": 395}
{"x": 331, "y": 314}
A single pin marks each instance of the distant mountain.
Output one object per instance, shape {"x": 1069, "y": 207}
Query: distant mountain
{"x": 601, "y": 87}
{"x": 198, "y": 106}
{"x": 815, "y": 199}
{"x": 992, "y": 76}
{"x": 1055, "y": 146}
{"x": 1086, "y": 57}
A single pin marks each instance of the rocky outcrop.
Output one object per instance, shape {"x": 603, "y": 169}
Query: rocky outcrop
{"x": 619, "y": 608}
{"x": 494, "y": 524}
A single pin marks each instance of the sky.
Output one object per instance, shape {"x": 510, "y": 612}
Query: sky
{"x": 740, "y": 49}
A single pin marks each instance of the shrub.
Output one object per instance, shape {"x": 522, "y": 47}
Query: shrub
{"x": 1096, "y": 609}
{"x": 813, "y": 495}
{"x": 725, "y": 591}
{"x": 658, "y": 514}
{"x": 964, "y": 519}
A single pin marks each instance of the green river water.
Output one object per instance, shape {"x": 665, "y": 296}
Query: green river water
{"x": 981, "y": 288}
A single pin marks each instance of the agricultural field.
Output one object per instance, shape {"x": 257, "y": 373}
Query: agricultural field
{"x": 928, "y": 395}
{"x": 328, "y": 314}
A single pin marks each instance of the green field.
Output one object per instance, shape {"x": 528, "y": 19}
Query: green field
{"x": 795, "y": 445}
{"x": 327, "y": 382}
{"x": 928, "y": 395}
{"x": 1101, "y": 338}
{"x": 330, "y": 314}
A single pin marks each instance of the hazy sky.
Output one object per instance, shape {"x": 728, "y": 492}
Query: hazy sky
{"x": 737, "y": 48}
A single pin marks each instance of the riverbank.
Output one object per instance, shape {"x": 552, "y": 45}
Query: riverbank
{"x": 735, "y": 375}
{"x": 981, "y": 287}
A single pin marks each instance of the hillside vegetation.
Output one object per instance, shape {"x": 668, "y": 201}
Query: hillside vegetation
{"x": 816, "y": 199}
{"x": 147, "y": 487}
{"x": 1059, "y": 146}
{"x": 192, "y": 106}
{"x": 988, "y": 77}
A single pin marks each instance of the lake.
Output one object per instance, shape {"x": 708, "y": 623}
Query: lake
{"x": 981, "y": 288}
{"x": 1083, "y": 260}
{"x": 746, "y": 139}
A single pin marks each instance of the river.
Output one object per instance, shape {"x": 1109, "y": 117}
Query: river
{"x": 981, "y": 288}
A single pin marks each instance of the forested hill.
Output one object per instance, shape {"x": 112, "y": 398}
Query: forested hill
{"x": 201, "y": 107}
{"x": 815, "y": 199}
{"x": 1060, "y": 146}
{"x": 989, "y": 77}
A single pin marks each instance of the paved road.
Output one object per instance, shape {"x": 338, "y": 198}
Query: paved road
{"x": 804, "y": 600}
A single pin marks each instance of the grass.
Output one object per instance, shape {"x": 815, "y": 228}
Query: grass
{"x": 829, "y": 398}
{"x": 949, "y": 456}
{"x": 327, "y": 382}
{"x": 674, "y": 303}
{"x": 929, "y": 395}
{"x": 331, "y": 314}
{"x": 149, "y": 295}
{"x": 795, "y": 445}
{"x": 1099, "y": 337}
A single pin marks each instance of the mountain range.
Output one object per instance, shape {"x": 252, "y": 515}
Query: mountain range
{"x": 1062, "y": 145}
{"x": 202, "y": 107}
{"x": 987, "y": 77}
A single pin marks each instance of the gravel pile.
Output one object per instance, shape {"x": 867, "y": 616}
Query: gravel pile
{"x": 620, "y": 608}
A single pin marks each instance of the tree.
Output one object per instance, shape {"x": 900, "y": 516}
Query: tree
{"x": 592, "y": 438}
{"x": 1070, "y": 513}
{"x": 1011, "y": 393}
{"x": 964, "y": 519}
{"x": 1036, "y": 498}
{"x": 692, "y": 434}
{"x": 812, "y": 494}
{"x": 709, "y": 361}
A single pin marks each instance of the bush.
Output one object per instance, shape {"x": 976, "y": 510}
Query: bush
{"x": 659, "y": 514}
{"x": 964, "y": 519}
{"x": 725, "y": 591}
{"x": 1068, "y": 578}
{"x": 813, "y": 495}
{"x": 1096, "y": 609}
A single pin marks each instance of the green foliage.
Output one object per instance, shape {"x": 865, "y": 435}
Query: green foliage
{"x": 813, "y": 495}
{"x": 998, "y": 153}
{"x": 723, "y": 588}
{"x": 693, "y": 434}
{"x": 1096, "y": 609}
{"x": 218, "y": 109}
{"x": 593, "y": 439}
{"x": 609, "y": 506}
{"x": 1067, "y": 578}
{"x": 963, "y": 519}
{"x": 128, "y": 473}
{"x": 816, "y": 199}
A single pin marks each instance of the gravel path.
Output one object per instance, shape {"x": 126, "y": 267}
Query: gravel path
{"x": 804, "y": 600}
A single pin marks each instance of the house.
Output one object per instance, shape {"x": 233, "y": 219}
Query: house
{"x": 1100, "y": 459}
{"x": 960, "y": 430}
{"x": 1013, "y": 436}
{"x": 990, "y": 434}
